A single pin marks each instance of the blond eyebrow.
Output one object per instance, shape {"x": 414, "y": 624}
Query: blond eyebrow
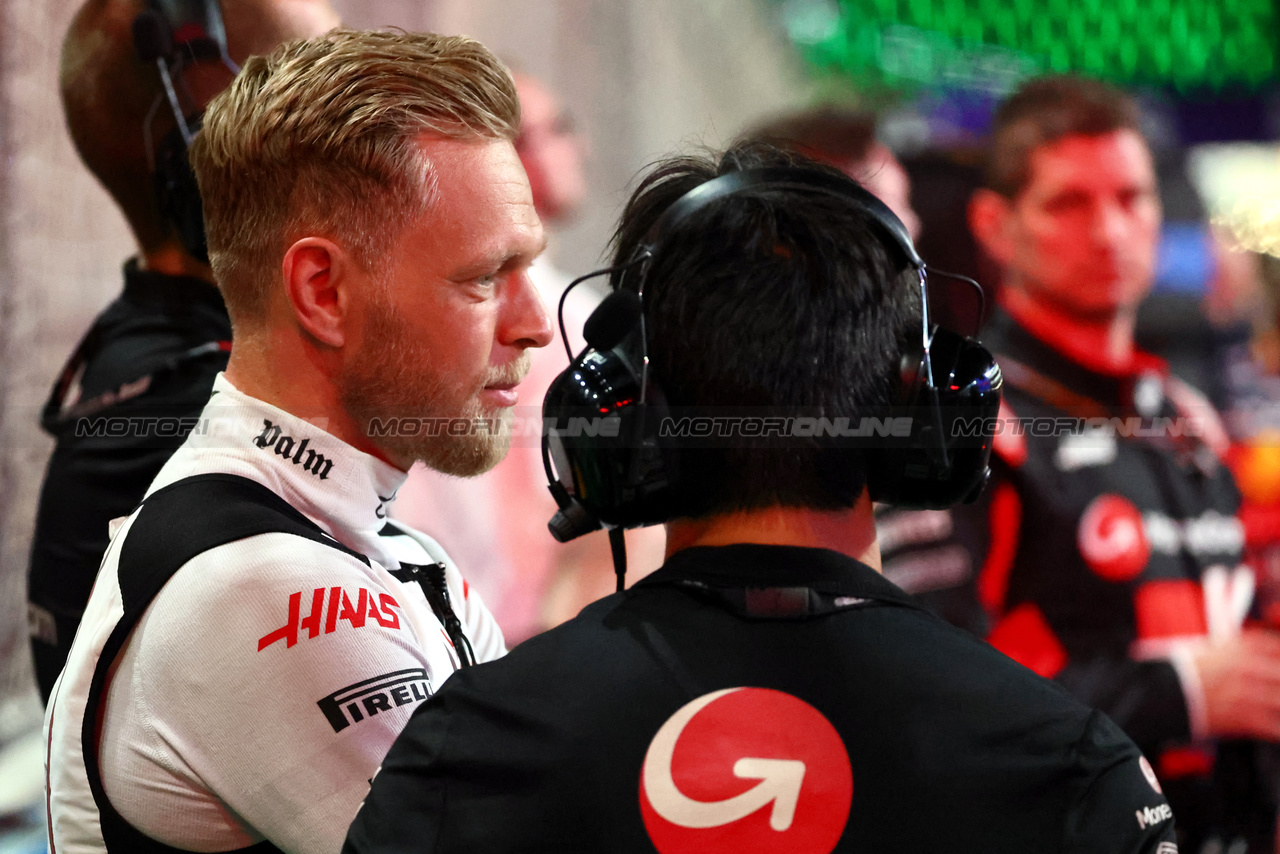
{"x": 499, "y": 260}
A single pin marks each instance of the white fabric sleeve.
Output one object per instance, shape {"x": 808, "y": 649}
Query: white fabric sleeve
{"x": 481, "y": 627}
{"x": 487, "y": 641}
{"x": 273, "y": 672}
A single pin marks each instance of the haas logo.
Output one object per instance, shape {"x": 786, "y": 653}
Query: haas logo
{"x": 746, "y": 770}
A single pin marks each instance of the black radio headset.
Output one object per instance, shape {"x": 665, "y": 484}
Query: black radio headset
{"x": 624, "y": 476}
{"x": 173, "y": 34}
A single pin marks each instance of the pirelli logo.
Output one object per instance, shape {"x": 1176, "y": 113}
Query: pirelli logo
{"x": 354, "y": 703}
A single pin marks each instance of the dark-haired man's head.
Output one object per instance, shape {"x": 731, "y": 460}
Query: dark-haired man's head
{"x": 846, "y": 139}
{"x": 781, "y": 301}
{"x": 1070, "y": 206}
{"x": 108, "y": 93}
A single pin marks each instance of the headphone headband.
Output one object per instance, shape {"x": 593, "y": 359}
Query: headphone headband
{"x": 631, "y": 475}
{"x": 172, "y": 34}
{"x": 194, "y": 25}
{"x": 786, "y": 178}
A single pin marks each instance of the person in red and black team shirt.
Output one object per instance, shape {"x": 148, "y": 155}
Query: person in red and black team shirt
{"x": 766, "y": 689}
{"x": 1105, "y": 552}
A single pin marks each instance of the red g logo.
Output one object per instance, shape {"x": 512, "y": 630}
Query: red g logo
{"x": 746, "y": 770}
{"x": 1112, "y": 540}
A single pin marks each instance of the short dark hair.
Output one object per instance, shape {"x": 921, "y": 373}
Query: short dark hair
{"x": 831, "y": 134}
{"x": 1044, "y": 110}
{"x": 774, "y": 299}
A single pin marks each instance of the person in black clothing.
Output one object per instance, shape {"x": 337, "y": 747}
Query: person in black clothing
{"x": 1105, "y": 552}
{"x": 766, "y": 689}
{"x": 133, "y": 388}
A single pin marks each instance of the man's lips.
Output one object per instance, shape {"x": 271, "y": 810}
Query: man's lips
{"x": 502, "y": 393}
{"x": 500, "y": 390}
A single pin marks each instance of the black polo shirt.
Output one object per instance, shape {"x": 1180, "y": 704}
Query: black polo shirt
{"x": 761, "y": 698}
{"x": 133, "y": 391}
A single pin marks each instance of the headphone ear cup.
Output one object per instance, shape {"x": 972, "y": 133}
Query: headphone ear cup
{"x": 178, "y": 193}
{"x": 605, "y": 444}
{"x": 944, "y": 460}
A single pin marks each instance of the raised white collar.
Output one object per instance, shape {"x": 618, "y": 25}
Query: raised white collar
{"x": 343, "y": 490}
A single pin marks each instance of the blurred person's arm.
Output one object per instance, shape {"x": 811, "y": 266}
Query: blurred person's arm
{"x": 967, "y": 564}
{"x": 1239, "y": 683}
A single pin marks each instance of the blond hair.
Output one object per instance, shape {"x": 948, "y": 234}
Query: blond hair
{"x": 319, "y": 139}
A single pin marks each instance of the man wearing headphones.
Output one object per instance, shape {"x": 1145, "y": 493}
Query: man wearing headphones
{"x": 259, "y": 631}
{"x": 766, "y": 689}
{"x": 1106, "y": 550}
{"x": 141, "y": 375}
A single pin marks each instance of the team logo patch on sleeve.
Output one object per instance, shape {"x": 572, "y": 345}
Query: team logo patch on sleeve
{"x": 331, "y": 608}
{"x": 367, "y": 698}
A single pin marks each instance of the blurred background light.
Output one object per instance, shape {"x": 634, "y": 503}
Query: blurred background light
{"x": 1240, "y": 185}
{"x": 1185, "y": 45}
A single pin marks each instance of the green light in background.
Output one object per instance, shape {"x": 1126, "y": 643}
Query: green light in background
{"x": 987, "y": 44}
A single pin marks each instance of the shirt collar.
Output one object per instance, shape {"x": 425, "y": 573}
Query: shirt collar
{"x": 172, "y": 292}
{"x": 342, "y": 489}
{"x": 756, "y": 565}
{"x": 1009, "y": 339}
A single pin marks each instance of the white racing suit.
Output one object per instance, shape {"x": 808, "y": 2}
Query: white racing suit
{"x": 265, "y": 681}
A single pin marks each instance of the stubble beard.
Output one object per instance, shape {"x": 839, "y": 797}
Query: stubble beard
{"x": 1083, "y": 311}
{"x": 438, "y": 420}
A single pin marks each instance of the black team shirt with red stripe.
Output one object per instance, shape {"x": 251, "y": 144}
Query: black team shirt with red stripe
{"x": 1104, "y": 549}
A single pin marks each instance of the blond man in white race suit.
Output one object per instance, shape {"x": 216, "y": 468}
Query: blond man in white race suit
{"x": 259, "y": 631}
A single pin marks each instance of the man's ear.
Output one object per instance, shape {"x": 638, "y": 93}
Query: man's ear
{"x": 989, "y": 220}
{"x": 317, "y": 282}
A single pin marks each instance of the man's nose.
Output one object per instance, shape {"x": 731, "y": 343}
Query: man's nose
{"x": 1111, "y": 224}
{"x": 528, "y": 322}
